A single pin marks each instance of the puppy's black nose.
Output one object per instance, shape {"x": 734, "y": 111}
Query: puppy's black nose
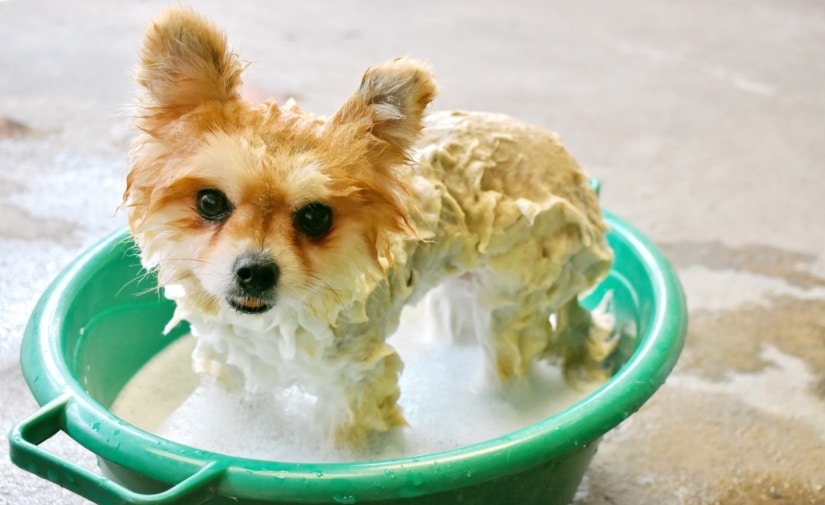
{"x": 256, "y": 274}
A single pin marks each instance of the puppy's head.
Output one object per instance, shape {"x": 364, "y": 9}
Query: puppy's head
{"x": 248, "y": 205}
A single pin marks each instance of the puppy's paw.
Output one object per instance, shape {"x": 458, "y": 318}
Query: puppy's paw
{"x": 207, "y": 363}
{"x": 355, "y": 434}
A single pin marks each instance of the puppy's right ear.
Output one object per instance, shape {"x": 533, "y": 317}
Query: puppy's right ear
{"x": 184, "y": 63}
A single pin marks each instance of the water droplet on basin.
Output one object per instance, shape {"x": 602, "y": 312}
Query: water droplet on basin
{"x": 95, "y": 426}
{"x": 344, "y": 500}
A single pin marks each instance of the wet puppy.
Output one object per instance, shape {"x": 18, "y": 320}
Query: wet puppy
{"x": 291, "y": 242}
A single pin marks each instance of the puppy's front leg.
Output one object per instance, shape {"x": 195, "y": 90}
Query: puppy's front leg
{"x": 512, "y": 336}
{"x": 369, "y": 387}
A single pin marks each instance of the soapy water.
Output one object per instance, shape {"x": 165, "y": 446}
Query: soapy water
{"x": 445, "y": 397}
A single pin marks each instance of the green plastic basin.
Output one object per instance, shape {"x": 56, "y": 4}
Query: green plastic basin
{"x": 101, "y": 320}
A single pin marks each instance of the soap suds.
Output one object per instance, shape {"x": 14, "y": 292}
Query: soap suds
{"x": 445, "y": 399}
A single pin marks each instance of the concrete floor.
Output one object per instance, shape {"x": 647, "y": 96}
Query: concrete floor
{"x": 704, "y": 120}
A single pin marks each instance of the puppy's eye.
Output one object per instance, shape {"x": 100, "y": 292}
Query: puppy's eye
{"x": 313, "y": 220}
{"x": 213, "y": 205}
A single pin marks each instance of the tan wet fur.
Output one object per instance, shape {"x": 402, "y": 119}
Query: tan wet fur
{"x": 416, "y": 199}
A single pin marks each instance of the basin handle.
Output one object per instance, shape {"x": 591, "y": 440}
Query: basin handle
{"x": 25, "y": 451}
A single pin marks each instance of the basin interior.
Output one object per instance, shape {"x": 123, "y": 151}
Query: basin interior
{"x": 115, "y": 323}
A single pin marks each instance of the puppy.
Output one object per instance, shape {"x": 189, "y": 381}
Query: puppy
{"x": 290, "y": 242}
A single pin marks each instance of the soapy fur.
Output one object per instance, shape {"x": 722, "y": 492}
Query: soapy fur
{"x": 481, "y": 201}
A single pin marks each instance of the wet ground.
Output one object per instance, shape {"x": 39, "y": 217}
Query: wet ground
{"x": 704, "y": 121}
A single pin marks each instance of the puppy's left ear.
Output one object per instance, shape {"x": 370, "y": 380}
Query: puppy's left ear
{"x": 391, "y": 99}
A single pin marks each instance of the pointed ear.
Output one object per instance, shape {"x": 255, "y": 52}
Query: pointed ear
{"x": 184, "y": 63}
{"x": 391, "y": 98}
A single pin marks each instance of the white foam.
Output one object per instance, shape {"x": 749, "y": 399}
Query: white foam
{"x": 444, "y": 398}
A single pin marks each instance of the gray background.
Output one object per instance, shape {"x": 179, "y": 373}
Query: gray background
{"x": 703, "y": 119}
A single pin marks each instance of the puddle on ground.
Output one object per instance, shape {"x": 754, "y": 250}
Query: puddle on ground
{"x": 768, "y": 489}
{"x": 741, "y": 420}
{"x": 787, "y": 312}
{"x": 698, "y": 447}
{"x": 9, "y": 129}
{"x": 730, "y": 341}
{"x": 758, "y": 259}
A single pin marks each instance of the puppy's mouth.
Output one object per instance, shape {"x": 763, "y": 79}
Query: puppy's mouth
{"x": 248, "y": 305}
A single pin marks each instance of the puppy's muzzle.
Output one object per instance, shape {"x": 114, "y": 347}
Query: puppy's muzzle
{"x": 256, "y": 276}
